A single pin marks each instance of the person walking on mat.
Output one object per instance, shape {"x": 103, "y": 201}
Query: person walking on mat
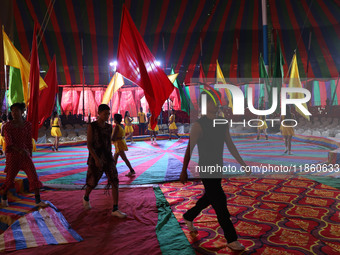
{"x": 100, "y": 160}
{"x": 210, "y": 141}
{"x": 118, "y": 139}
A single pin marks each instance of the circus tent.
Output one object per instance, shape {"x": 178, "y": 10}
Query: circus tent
{"x": 182, "y": 35}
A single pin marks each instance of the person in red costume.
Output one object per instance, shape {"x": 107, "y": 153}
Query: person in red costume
{"x": 18, "y": 138}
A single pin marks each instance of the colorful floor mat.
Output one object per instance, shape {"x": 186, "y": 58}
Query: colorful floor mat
{"x": 20, "y": 183}
{"x": 19, "y": 206}
{"x": 101, "y": 232}
{"x": 272, "y": 215}
{"x": 162, "y": 162}
{"x": 38, "y": 228}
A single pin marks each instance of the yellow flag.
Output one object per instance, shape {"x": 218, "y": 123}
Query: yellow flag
{"x": 220, "y": 79}
{"x": 172, "y": 77}
{"x": 294, "y": 82}
{"x": 12, "y": 57}
{"x": 116, "y": 82}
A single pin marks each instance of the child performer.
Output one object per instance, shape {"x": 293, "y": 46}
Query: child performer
{"x": 120, "y": 144}
{"x": 172, "y": 127}
{"x": 287, "y": 132}
{"x": 128, "y": 126}
{"x": 55, "y": 131}
{"x": 141, "y": 121}
{"x": 2, "y": 138}
{"x": 100, "y": 159}
{"x": 210, "y": 141}
{"x": 18, "y": 137}
{"x": 153, "y": 132}
{"x": 263, "y": 127}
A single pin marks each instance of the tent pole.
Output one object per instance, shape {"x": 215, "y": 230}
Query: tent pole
{"x": 265, "y": 33}
{"x": 111, "y": 97}
{"x": 82, "y": 56}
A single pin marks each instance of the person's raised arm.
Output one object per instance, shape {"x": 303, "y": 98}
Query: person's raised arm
{"x": 195, "y": 133}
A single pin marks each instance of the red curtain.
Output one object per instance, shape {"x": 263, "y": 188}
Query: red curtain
{"x": 115, "y": 101}
{"x": 128, "y": 103}
{"x": 70, "y": 101}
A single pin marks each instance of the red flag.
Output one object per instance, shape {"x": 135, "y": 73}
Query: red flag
{"x": 32, "y": 110}
{"x": 136, "y": 63}
{"x": 47, "y": 96}
{"x": 202, "y": 76}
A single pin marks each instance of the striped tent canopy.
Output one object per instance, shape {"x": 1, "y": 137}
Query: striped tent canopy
{"x": 321, "y": 91}
{"x": 180, "y": 34}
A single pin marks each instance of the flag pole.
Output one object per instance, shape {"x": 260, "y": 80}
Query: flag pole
{"x": 334, "y": 93}
{"x": 6, "y": 88}
{"x": 265, "y": 44}
{"x": 3, "y": 78}
{"x": 308, "y": 59}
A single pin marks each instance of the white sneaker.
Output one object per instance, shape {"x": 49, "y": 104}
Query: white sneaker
{"x": 86, "y": 204}
{"x": 118, "y": 214}
{"x": 4, "y": 203}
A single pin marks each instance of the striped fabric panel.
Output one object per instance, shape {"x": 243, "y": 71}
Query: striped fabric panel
{"x": 182, "y": 24}
{"x": 43, "y": 227}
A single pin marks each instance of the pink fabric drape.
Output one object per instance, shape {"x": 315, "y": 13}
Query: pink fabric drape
{"x": 90, "y": 103}
{"x": 70, "y": 101}
{"x": 128, "y": 103}
{"x": 115, "y": 101}
{"x": 174, "y": 97}
{"x": 98, "y": 95}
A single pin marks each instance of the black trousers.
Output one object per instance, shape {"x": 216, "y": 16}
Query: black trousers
{"x": 141, "y": 128}
{"x": 215, "y": 196}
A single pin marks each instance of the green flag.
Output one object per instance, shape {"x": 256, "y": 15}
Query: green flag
{"x": 184, "y": 101}
{"x": 16, "y": 94}
{"x": 264, "y": 82}
{"x": 58, "y": 105}
{"x": 278, "y": 70}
